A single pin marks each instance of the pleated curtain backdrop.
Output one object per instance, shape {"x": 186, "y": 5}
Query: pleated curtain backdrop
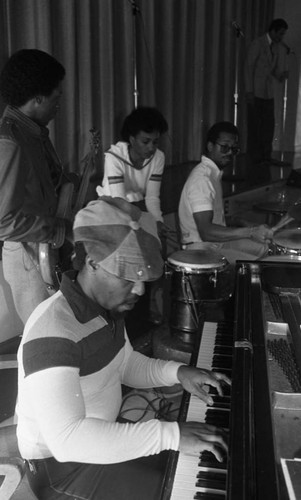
{"x": 186, "y": 56}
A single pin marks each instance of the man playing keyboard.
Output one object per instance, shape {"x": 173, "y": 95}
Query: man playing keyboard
{"x": 74, "y": 357}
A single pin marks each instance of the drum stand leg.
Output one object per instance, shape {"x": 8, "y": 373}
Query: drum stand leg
{"x": 186, "y": 314}
{"x": 188, "y": 294}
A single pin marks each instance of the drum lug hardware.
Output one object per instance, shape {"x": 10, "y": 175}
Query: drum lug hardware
{"x": 213, "y": 279}
{"x": 242, "y": 269}
{"x": 167, "y": 273}
{"x": 185, "y": 281}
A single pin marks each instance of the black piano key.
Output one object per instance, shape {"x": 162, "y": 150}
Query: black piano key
{"x": 223, "y": 334}
{"x": 221, "y": 421}
{"x": 211, "y": 485}
{"x": 219, "y": 352}
{"x": 212, "y": 476}
{"x": 222, "y": 362}
{"x": 225, "y": 388}
{"x": 222, "y": 400}
{"x": 208, "y": 496}
{"x": 217, "y": 411}
{"x": 218, "y": 465}
{"x": 220, "y": 418}
{"x": 207, "y": 459}
{"x": 211, "y": 480}
{"x": 223, "y": 350}
{"x": 225, "y": 326}
{"x": 225, "y": 371}
{"x": 224, "y": 406}
{"x": 220, "y": 341}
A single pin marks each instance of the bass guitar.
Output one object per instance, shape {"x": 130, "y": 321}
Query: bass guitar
{"x": 55, "y": 258}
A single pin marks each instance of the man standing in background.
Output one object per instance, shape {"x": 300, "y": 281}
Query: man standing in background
{"x": 262, "y": 68}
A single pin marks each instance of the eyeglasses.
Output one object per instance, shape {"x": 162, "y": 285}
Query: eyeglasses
{"x": 225, "y": 148}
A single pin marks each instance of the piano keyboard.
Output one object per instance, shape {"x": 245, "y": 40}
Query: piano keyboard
{"x": 204, "y": 477}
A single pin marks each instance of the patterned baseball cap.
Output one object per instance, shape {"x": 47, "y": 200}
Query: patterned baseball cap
{"x": 120, "y": 238}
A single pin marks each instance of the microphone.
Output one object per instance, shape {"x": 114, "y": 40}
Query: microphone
{"x": 239, "y": 31}
{"x": 134, "y": 6}
{"x": 287, "y": 48}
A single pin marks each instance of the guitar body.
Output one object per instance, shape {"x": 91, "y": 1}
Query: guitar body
{"x": 49, "y": 263}
{"x": 54, "y": 261}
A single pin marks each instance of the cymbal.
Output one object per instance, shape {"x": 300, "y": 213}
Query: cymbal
{"x": 295, "y": 211}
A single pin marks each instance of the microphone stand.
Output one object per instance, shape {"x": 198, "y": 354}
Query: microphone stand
{"x": 238, "y": 34}
{"x": 284, "y": 110}
{"x": 283, "y": 126}
{"x": 135, "y": 11}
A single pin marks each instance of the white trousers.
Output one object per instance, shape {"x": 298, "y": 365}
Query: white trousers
{"x": 19, "y": 270}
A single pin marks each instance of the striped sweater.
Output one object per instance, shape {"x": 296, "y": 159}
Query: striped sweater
{"x": 73, "y": 359}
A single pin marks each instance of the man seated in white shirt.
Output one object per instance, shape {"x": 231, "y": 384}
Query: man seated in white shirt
{"x": 201, "y": 212}
{"x": 74, "y": 357}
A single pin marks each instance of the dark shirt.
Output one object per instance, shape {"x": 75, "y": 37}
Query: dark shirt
{"x": 30, "y": 172}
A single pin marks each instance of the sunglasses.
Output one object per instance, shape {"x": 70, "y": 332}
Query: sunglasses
{"x": 225, "y": 148}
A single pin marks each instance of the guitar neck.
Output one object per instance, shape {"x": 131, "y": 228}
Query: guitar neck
{"x": 84, "y": 184}
{"x": 88, "y": 170}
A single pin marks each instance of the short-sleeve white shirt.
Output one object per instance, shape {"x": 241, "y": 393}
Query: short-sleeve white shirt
{"x": 201, "y": 192}
{"x": 122, "y": 180}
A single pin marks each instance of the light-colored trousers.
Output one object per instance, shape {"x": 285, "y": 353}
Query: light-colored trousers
{"x": 21, "y": 273}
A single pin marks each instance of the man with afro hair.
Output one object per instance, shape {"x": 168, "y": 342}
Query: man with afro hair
{"x": 30, "y": 172}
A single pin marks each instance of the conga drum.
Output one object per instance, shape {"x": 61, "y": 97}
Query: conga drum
{"x": 197, "y": 277}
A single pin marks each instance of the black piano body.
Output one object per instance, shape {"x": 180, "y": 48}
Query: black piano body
{"x": 265, "y": 416}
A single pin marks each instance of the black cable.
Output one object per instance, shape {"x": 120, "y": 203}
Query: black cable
{"x": 161, "y": 413}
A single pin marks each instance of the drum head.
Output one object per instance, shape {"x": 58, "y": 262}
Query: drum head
{"x": 289, "y": 239}
{"x": 282, "y": 258}
{"x": 197, "y": 259}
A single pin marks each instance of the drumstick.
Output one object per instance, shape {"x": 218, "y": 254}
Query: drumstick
{"x": 283, "y": 222}
{"x": 293, "y": 213}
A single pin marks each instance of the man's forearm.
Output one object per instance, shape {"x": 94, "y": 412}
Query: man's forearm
{"x": 218, "y": 233}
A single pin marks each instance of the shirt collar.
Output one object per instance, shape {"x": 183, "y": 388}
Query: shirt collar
{"x": 213, "y": 167}
{"x": 35, "y": 129}
{"x": 121, "y": 151}
{"x": 83, "y": 308}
